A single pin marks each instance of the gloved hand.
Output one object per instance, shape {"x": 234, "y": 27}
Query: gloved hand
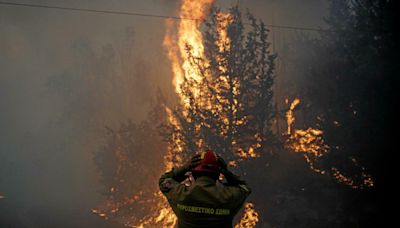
{"x": 192, "y": 163}
{"x": 223, "y": 166}
{"x": 231, "y": 178}
{"x": 179, "y": 173}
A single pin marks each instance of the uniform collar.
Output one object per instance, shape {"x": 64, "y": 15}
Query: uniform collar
{"x": 205, "y": 180}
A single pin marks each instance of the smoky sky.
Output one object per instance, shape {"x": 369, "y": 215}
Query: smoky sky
{"x": 65, "y": 75}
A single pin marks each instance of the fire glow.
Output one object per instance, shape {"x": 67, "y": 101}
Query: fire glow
{"x": 190, "y": 45}
{"x": 188, "y": 36}
{"x": 249, "y": 218}
{"x": 184, "y": 42}
{"x": 311, "y": 144}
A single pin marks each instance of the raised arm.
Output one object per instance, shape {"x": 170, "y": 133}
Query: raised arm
{"x": 175, "y": 176}
{"x": 231, "y": 178}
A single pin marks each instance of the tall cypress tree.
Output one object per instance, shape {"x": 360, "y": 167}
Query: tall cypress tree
{"x": 231, "y": 112}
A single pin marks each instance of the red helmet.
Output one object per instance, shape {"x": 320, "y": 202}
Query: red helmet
{"x": 208, "y": 163}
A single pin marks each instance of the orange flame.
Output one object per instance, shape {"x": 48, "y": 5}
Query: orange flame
{"x": 250, "y": 217}
{"x": 189, "y": 35}
{"x": 178, "y": 144}
{"x": 310, "y": 143}
{"x": 289, "y": 114}
{"x": 184, "y": 41}
{"x": 162, "y": 214}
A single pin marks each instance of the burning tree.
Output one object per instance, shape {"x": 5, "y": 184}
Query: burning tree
{"x": 223, "y": 76}
{"x": 226, "y": 96}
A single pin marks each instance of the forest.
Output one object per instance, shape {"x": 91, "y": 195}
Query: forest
{"x": 98, "y": 102}
{"x": 324, "y": 169}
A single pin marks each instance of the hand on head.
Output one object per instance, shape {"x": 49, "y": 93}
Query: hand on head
{"x": 196, "y": 160}
{"x": 193, "y": 162}
{"x": 223, "y": 166}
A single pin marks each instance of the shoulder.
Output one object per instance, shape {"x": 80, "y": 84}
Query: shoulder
{"x": 172, "y": 189}
{"x": 236, "y": 191}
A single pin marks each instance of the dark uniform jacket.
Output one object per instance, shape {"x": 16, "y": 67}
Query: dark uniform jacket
{"x": 204, "y": 203}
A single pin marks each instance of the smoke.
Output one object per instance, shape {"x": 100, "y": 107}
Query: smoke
{"x": 64, "y": 76}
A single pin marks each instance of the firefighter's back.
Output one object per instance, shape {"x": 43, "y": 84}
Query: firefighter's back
{"x": 207, "y": 204}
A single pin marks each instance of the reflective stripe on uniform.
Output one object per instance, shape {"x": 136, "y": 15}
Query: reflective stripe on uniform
{"x": 244, "y": 187}
{"x": 203, "y": 210}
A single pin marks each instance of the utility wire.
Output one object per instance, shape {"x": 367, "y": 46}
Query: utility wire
{"x": 144, "y": 15}
{"x": 93, "y": 10}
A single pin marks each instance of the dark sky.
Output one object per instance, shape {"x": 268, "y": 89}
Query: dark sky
{"x": 65, "y": 75}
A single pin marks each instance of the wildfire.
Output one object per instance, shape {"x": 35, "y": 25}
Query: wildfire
{"x": 188, "y": 36}
{"x": 250, "y": 153}
{"x": 178, "y": 144}
{"x": 250, "y": 217}
{"x": 223, "y": 43}
{"x": 310, "y": 143}
{"x": 289, "y": 114}
{"x": 184, "y": 42}
{"x": 162, "y": 215}
{"x": 190, "y": 46}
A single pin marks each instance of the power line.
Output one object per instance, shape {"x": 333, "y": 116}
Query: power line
{"x": 93, "y": 10}
{"x": 144, "y": 15}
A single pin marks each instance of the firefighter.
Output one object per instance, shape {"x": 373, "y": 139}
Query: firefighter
{"x": 204, "y": 203}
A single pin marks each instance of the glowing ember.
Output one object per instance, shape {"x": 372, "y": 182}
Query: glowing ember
{"x": 251, "y": 153}
{"x": 223, "y": 43}
{"x": 289, "y": 114}
{"x": 250, "y": 217}
{"x": 308, "y": 141}
{"x": 341, "y": 177}
{"x": 365, "y": 180}
{"x": 311, "y": 144}
{"x": 99, "y": 213}
{"x": 177, "y": 148}
{"x": 161, "y": 216}
{"x": 161, "y": 213}
{"x": 232, "y": 163}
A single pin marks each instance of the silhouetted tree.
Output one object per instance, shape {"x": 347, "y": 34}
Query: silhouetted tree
{"x": 353, "y": 85}
{"x": 350, "y": 87}
{"x": 229, "y": 109}
{"x": 130, "y": 159}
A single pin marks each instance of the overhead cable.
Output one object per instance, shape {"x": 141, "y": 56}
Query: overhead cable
{"x": 144, "y": 15}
